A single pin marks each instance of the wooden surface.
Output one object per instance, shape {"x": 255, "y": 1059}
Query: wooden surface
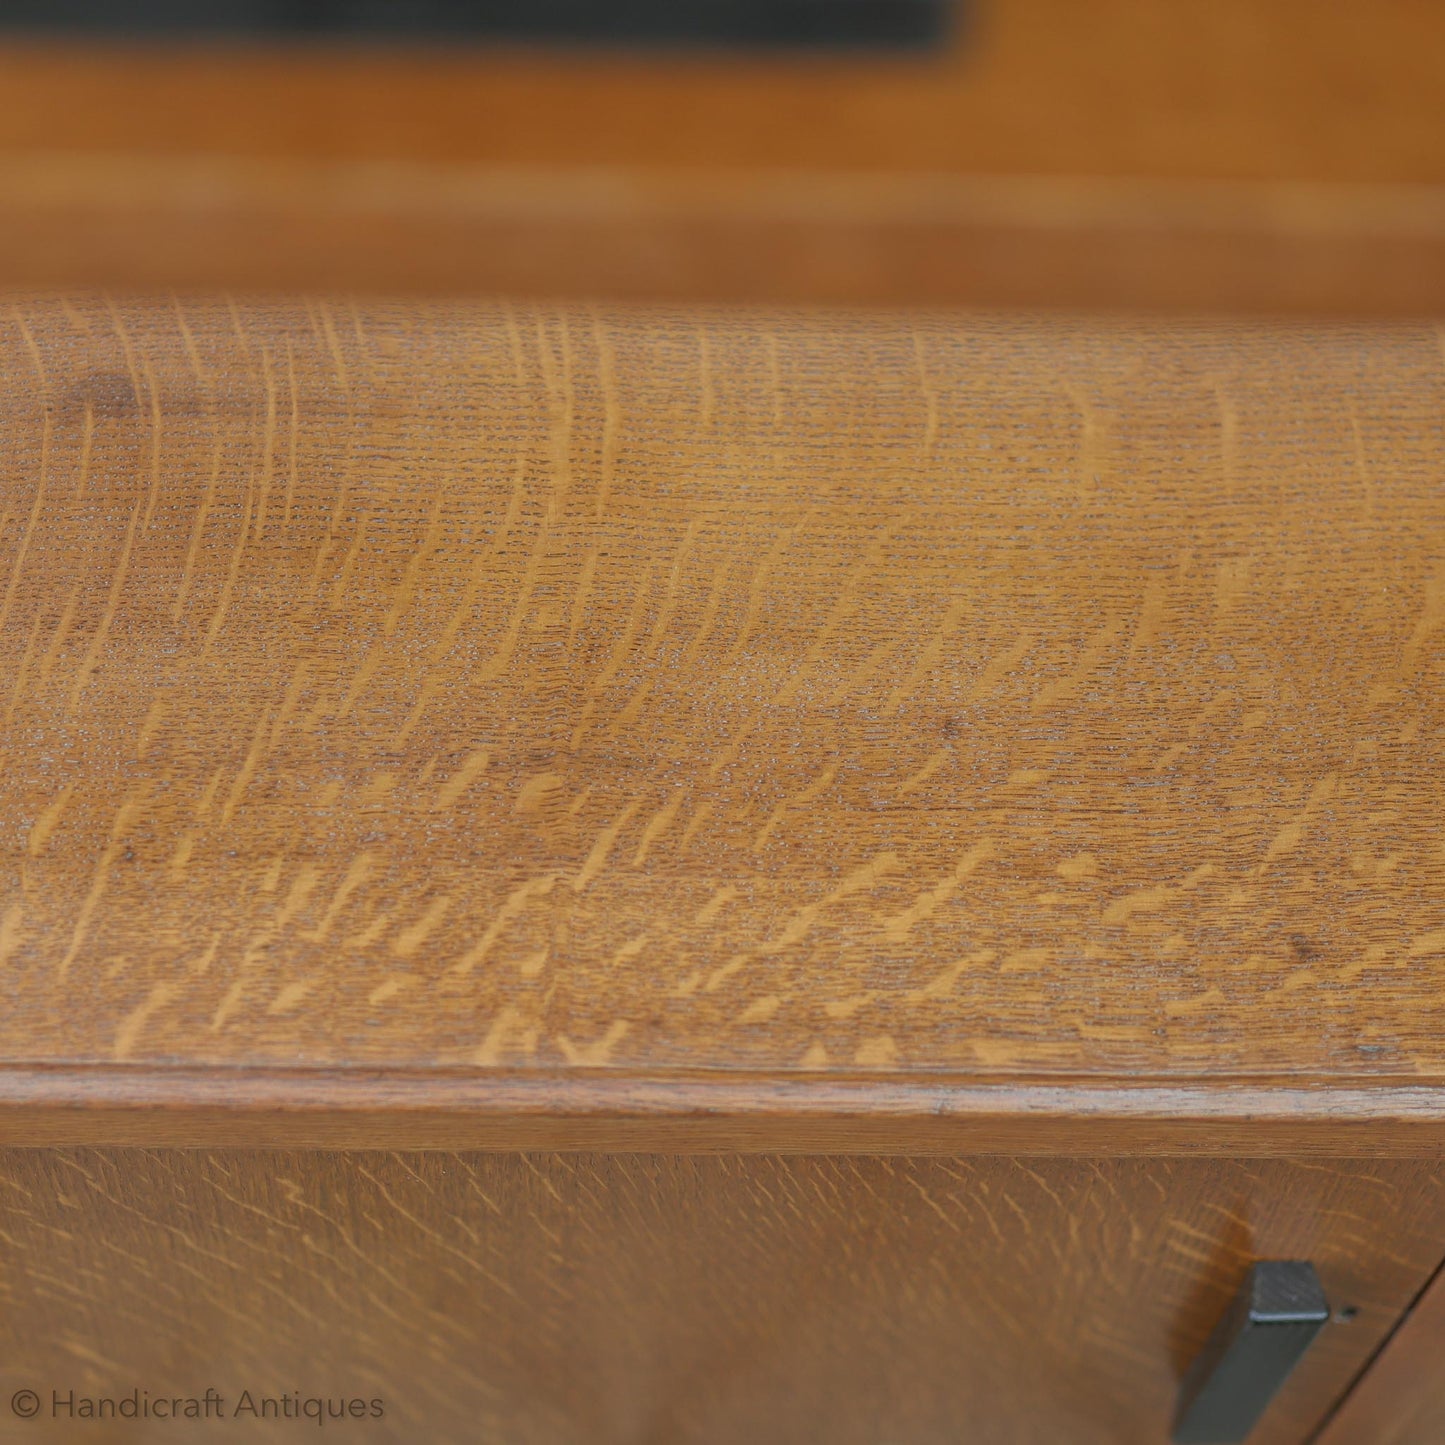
{"x": 580, "y": 694}
{"x": 839, "y": 1111}
{"x": 621, "y": 1298}
{"x": 1224, "y": 89}
{"x": 1268, "y": 154}
{"x": 790, "y": 238}
{"x": 1399, "y": 1400}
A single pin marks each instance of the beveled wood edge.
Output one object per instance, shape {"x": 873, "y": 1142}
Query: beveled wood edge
{"x": 189, "y": 1107}
{"x": 665, "y": 235}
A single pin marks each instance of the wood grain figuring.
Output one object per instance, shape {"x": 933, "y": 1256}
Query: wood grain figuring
{"x": 1266, "y": 154}
{"x": 551, "y": 1298}
{"x": 1399, "y": 1401}
{"x": 604, "y": 692}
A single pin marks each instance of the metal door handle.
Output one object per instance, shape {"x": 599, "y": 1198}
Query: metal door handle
{"x": 1279, "y": 1309}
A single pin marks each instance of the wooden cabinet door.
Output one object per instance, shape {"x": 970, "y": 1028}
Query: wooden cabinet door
{"x": 1401, "y": 1399}
{"x": 533, "y": 1299}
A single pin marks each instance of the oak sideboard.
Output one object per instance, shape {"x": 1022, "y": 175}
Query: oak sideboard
{"x": 604, "y": 872}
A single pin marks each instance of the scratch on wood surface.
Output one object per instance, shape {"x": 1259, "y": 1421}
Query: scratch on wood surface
{"x": 775, "y": 376}
{"x": 1150, "y": 617}
{"x": 1090, "y": 463}
{"x": 290, "y": 700}
{"x": 128, "y": 351}
{"x": 407, "y": 588}
{"x": 268, "y": 442}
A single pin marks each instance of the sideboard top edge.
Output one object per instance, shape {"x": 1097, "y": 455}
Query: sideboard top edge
{"x": 147, "y": 1106}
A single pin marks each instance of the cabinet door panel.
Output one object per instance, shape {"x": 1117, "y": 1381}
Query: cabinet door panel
{"x": 531, "y": 1299}
{"x": 1401, "y": 1400}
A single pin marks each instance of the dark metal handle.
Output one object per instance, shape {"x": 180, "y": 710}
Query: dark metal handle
{"x": 1279, "y": 1309}
{"x": 828, "y": 24}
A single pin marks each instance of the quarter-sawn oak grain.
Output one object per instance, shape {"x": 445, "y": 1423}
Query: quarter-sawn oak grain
{"x": 752, "y": 694}
{"x": 546, "y": 1298}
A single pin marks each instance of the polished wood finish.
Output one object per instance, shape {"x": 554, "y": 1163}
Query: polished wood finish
{"x": 612, "y": 702}
{"x": 134, "y": 1105}
{"x": 1400, "y": 1399}
{"x": 1268, "y": 154}
{"x": 186, "y": 223}
{"x": 555, "y": 1297}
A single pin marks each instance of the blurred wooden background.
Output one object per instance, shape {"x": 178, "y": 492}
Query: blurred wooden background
{"x": 1276, "y": 155}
